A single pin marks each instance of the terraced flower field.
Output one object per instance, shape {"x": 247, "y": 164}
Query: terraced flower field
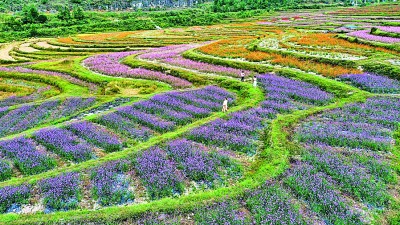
{"x": 129, "y": 127}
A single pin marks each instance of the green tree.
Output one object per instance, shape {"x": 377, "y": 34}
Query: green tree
{"x": 64, "y": 13}
{"x": 30, "y": 14}
{"x": 78, "y": 13}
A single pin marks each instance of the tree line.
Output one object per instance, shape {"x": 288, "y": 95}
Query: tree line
{"x": 96, "y": 5}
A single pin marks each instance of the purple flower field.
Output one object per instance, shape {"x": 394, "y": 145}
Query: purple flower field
{"x": 365, "y": 34}
{"x": 339, "y": 160}
{"x": 109, "y": 64}
{"x": 125, "y": 126}
{"x": 26, "y": 157}
{"x": 172, "y": 55}
{"x": 110, "y": 185}
{"x": 5, "y": 170}
{"x": 164, "y": 112}
{"x": 241, "y": 132}
{"x": 13, "y": 196}
{"x": 373, "y": 83}
{"x": 61, "y": 193}
{"x": 158, "y": 173}
{"x": 29, "y": 116}
{"x": 16, "y": 100}
{"x": 68, "y": 77}
{"x": 97, "y": 135}
{"x": 389, "y": 29}
{"x": 65, "y": 144}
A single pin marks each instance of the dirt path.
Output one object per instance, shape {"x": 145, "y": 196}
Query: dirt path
{"x": 25, "y": 47}
{"x": 5, "y": 51}
{"x": 44, "y": 44}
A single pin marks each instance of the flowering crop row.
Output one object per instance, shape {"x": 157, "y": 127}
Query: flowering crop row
{"x": 365, "y": 34}
{"x": 164, "y": 112}
{"x": 97, "y": 136}
{"x": 62, "y": 192}
{"x": 158, "y": 168}
{"x": 110, "y": 185}
{"x": 14, "y": 195}
{"x": 28, "y": 116}
{"x": 352, "y": 177}
{"x": 240, "y": 132}
{"x": 373, "y": 83}
{"x": 367, "y": 126}
{"x": 172, "y": 55}
{"x": 109, "y": 64}
{"x": 26, "y": 157}
{"x": 5, "y": 170}
{"x": 327, "y": 175}
{"x": 320, "y": 193}
{"x": 64, "y": 143}
{"x": 124, "y": 125}
{"x": 16, "y": 100}
{"x": 71, "y": 79}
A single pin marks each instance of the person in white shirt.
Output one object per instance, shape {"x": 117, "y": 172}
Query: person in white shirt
{"x": 254, "y": 81}
{"x": 225, "y": 105}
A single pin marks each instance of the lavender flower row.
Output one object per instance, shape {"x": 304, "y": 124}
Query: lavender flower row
{"x": 26, "y": 157}
{"x": 365, "y": 34}
{"x": 5, "y": 170}
{"x": 198, "y": 163}
{"x": 158, "y": 173}
{"x": 8, "y": 121}
{"x": 352, "y": 178}
{"x": 172, "y": 55}
{"x": 29, "y": 116}
{"x": 110, "y": 185}
{"x": 97, "y": 136}
{"x": 354, "y": 135}
{"x": 315, "y": 188}
{"x": 109, "y": 64}
{"x": 125, "y": 126}
{"x": 16, "y": 100}
{"x": 64, "y": 143}
{"x": 62, "y": 192}
{"x": 373, "y": 83}
{"x": 270, "y": 204}
{"x": 295, "y": 90}
{"x": 71, "y": 79}
{"x": 14, "y": 195}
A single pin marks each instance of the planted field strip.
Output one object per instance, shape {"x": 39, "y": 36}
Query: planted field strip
{"x": 163, "y": 113}
{"x": 353, "y": 169}
{"x": 172, "y": 55}
{"x": 243, "y": 129}
{"x": 365, "y": 34}
{"x": 109, "y": 64}
{"x": 29, "y": 116}
{"x": 75, "y": 141}
{"x": 373, "y": 83}
{"x": 111, "y": 184}
{"x": 296, "y": 148}
{"x": 65, "y": 76}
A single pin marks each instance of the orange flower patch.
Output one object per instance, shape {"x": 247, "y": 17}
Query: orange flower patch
{"x": 68, "y": 40}
{"x": 321, "y": 68}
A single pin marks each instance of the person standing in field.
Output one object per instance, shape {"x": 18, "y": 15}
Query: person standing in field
{"x": 225, "y": 105}
{"x": 254, "y": 81}
{"x": 242, "y": 76}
